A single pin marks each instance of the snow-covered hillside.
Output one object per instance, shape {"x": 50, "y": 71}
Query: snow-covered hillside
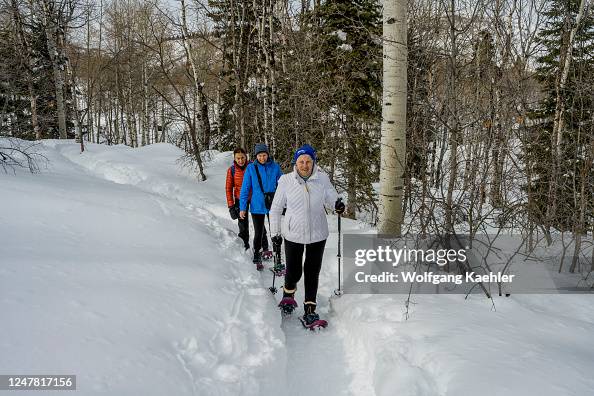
{"x": 120, "y": 267}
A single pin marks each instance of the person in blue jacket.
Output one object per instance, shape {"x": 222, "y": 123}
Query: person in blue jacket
{"x": 260, "y": 179}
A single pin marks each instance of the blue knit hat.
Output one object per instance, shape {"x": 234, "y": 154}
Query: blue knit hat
{"x": 305, "y": 149}
{"x": 261, "y": 148}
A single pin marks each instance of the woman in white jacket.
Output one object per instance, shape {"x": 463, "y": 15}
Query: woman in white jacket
{"x": 305, "y": 193}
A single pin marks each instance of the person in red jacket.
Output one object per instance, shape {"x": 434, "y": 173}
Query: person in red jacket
{"x": 233, "y": 187}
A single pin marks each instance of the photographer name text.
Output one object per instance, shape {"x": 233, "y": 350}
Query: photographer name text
{"x": 430, "y": 277}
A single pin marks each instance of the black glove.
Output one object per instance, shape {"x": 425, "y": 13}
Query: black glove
{"x": 339, "y": 206}
{"x": 234, "y": 212}
{"x": 277, "y": 241}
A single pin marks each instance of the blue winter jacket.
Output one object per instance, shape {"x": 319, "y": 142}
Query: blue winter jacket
{"x": 270, "y": 172}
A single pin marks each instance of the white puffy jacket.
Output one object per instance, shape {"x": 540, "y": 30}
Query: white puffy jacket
{"x": 305, "y": 219}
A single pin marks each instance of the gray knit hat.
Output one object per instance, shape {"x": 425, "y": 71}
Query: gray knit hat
{"x": 261, "y": 148}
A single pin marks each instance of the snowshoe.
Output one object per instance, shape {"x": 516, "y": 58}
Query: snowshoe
{"x": 312, "y": 321}
{"x": 287, "y": 305}
{"x": 279, "y": 269}
{"x": 266, "y": 255}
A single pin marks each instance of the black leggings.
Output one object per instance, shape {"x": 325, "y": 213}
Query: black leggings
{"x": 244, "y": 231}
{"x": 311, "y": 268}
{"x": 260, "y": 238}
{"x": 244, "y": 226}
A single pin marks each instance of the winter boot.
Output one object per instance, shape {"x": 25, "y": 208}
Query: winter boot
{"x": 266, "y": 254}
{"x": 258, "y": 261}
{"x": 288, "y": 303}
{"x": 310, "y": 315}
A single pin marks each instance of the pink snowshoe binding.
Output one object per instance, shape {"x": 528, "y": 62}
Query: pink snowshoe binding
{"x": 287, "y": 305}
{"x": 312, "y": 321}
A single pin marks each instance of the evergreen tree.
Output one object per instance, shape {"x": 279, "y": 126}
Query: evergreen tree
{"x": 242, "y": 30}
{"x": 25, "y": 70}
{"x": 351, "y": 54}
{"x": 227, "y": 32}
{"x": 349, "y": 66}
{"x": 541, "y": 145}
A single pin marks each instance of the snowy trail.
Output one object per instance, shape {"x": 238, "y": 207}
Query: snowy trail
{"x": 315, "y": 361}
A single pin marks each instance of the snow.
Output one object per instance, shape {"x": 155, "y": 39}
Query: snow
{"x": 449, "y": 347}
{"x": 104, "y": 277}
{"x": 120, "y": 267}
{"x": 342, "y": 36}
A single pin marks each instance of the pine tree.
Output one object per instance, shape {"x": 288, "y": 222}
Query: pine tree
{"x": 349, "y": 67}
{"x": 351, "y": 54}
{"x": 243, "y": 30}
{"x": 557, "y": 177}
{"x": 25, "y": 70}
{"x": 227, "y": 31}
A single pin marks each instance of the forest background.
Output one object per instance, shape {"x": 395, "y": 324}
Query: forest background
{"x": 499, "y": 116}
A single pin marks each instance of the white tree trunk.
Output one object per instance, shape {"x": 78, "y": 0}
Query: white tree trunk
{"x": 197, "y": 89}
{"x": 558, "y": 123}
{"x": 34, "y": 118}
{"x": 52, "y": 47}
{"x": 75, "y": 120}
{"x": 393, "y": 143}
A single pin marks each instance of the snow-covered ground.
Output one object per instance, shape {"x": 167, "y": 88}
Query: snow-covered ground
{"x": 120, "y": 267}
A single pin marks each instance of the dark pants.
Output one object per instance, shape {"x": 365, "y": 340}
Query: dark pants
{"x": 311, "y": 267}
{"x": 260, "y": 238}
{"x": 244, "y": 227}
{"x": 244, "y": 231}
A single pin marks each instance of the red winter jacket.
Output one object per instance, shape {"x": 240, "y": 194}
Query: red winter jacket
{"x": 233, "y": 184}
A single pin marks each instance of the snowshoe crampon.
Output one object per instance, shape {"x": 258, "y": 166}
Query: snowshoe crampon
{"x": 287, "y": 305}
{"x": 259, "y": 266}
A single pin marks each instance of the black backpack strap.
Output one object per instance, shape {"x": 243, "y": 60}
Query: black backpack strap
{"x": 259, "y": 178}
{"x": 233, "y": 171}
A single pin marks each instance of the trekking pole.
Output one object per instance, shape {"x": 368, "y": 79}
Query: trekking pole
{"x": 338, "y": 292}
{"x": 272, "y": 288}
{"x": 277, "y": 263}
{"x": 268, "y": 217}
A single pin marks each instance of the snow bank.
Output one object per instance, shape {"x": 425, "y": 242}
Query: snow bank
{"x": 528, "y": 345}
{"x": 103, "y": 275}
